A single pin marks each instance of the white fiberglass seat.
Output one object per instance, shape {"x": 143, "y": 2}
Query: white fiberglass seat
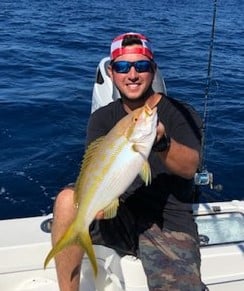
{"x": 115, "y": 273}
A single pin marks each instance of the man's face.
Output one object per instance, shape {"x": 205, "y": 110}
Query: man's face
{"x": 132, "y": 84}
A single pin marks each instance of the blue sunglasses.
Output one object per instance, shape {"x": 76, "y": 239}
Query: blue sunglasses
{"x": 125, "y": 66}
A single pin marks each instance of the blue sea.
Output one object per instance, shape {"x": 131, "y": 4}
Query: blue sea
{"x": 49, "y": 50}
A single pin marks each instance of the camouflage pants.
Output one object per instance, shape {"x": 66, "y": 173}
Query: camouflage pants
{"x": 171, "y": 260}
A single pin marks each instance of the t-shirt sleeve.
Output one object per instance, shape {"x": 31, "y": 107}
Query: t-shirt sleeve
{"x": 97, "y": 126}
{"x": 183, "y": 124}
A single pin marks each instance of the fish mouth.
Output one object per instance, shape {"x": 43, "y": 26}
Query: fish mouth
{"x": 149, "y": 111}
{"x": 153, "y": 100}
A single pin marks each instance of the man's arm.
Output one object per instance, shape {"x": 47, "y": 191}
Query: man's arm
{"x": 179, "y": 159}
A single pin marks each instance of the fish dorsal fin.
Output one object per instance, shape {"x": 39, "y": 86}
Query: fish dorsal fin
{"x": 111, "y": 210}
{"x": 89, "y": 153}
{"x": 145, "y": 173}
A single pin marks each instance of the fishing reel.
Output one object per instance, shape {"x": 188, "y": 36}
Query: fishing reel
{"x": 204, "y": 178}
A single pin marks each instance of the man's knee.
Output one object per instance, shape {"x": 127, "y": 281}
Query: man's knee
{"x": 65, "y": 201}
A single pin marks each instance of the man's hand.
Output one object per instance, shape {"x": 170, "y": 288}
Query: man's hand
{"x": 100, "y": 215}
{"x": 160, "y": 131}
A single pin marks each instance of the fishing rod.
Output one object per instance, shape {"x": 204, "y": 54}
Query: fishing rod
{"x": 203, "y": 177}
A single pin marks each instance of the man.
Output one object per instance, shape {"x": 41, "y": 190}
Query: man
{"x": 157, "y": 218}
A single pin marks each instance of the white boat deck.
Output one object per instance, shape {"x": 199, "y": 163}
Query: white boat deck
{"x": 24, "y": 246}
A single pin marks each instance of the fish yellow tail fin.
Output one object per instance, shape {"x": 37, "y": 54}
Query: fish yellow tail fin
{"x": 71, "y": 237}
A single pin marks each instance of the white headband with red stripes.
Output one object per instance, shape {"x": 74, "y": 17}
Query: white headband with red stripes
{"x": 117, "y": 49}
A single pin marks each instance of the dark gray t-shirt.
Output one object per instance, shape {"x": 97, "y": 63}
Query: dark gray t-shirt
{"x": 168, "y": 199}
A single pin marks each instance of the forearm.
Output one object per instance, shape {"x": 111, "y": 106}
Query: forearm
{"x": 180, "y": 160}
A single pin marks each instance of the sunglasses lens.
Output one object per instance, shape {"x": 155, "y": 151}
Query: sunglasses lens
{"x": 124, "y": 66}
{"x": 121, "y": 67}
{"x": 143, "y": 66}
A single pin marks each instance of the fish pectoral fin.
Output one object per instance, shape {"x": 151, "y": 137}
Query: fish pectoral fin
{"x": 137, "y": 148}
{"x": 146, "y": 173}
{"x": 111, "y": 210}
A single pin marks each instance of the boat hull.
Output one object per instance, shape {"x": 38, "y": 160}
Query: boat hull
{"x": 27, "y": 241}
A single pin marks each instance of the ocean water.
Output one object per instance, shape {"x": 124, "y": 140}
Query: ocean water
{"x": 49, "y": 51}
